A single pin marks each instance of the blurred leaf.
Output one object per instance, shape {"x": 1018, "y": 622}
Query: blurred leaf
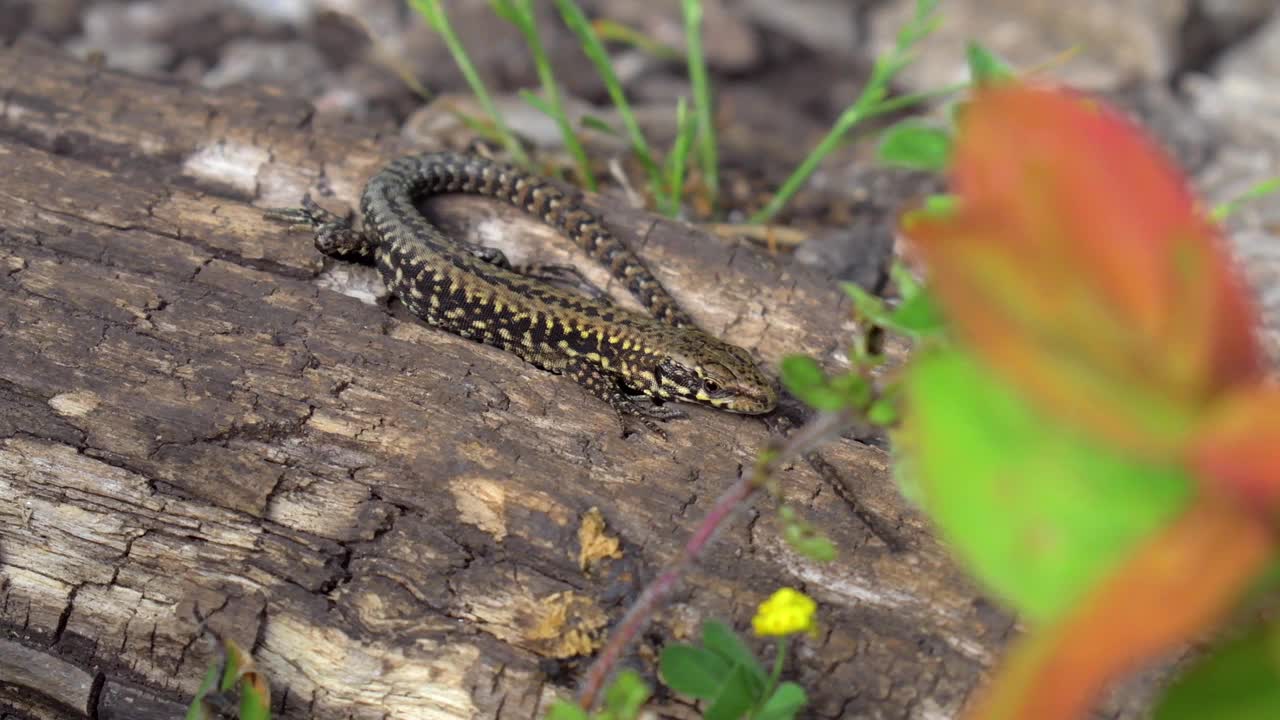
{"x": 915, "y": 145}
{"x": 786, "y": 701}
{"x": 565, "y": 710}
{"x": 806, "y": 541}
{"x": 855, "y": 388}
{"x": 940, "y": 206}
{"x": 693, "y": 671}
{"x": 868, "y": 306}
{"x": 1079, "y": 265}
{"x": 1236, "y": 451}
{"x": 915, "y": 316}
{"x": 198, "y": 710}
{"x": 254, "y": 702}
{"x": 723, "y": 641}
{"x": 902, "y": 278}
{"x": 1176, "y": 584}
{"x": 626, "y": 695}
{"x": 1037, "y": 510}
{"x": 736, "y": 697}
{"x": 804, "y": 378}
{"x": 985, "y": 66}
{"x": 883, "y": 412}
{"x": 1240, "y": 680}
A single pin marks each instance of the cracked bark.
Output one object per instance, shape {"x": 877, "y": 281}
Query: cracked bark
{"x": 192, "y": 423}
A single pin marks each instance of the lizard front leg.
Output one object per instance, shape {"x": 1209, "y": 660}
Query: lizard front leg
{"x": 335, "y": 236}
{"x": 606, "y": 387}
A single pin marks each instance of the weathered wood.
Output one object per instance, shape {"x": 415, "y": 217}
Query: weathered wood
{"x": 192, "y": 423}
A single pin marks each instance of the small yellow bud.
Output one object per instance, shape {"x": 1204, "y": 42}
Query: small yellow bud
{"x": 787, "y": 611}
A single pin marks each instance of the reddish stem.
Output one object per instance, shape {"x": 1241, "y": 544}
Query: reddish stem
{"x": 824, "y": 427}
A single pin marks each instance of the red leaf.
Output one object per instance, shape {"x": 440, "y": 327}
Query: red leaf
{"x": 1079, "y": 265}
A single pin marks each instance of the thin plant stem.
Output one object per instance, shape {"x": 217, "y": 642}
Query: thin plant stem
{"x": 804, "y": 440}
{"x": 701, "y": 98}
{"x": 779, "y": 657}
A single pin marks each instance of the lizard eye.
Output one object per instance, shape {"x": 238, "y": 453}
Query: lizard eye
{"x": 711, "y": 386}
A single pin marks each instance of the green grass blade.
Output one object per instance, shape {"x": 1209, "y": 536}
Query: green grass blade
{"x": 1262, "y": 189}
{"x": 617, "y": 32}
{"x": 870, "y": 102}
{"x": 578, "y": 23}
{"x": 520, "y": 13}
{"x": 678, "y": 160}
{"x": 702, "y": 98}
{"x": 433, "y": 12}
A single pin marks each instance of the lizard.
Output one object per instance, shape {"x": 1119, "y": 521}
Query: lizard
{"x": 473, "y": 291}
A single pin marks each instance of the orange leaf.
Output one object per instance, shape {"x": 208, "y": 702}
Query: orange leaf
{"x": 1180, "y": 582}
{"x": 1237, "y": 451}
{"x": 1079, "y": 264}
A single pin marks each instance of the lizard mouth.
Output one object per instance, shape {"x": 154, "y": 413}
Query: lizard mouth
{"x": 751, "y": 401}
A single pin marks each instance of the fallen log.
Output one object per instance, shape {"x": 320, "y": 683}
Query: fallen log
{"x": 199, "y": 425}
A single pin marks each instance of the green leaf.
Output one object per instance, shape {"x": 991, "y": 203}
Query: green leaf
{"x": 253, "y": 706}
{"x": 628, "y": 693}
{"x": 1035, "y": 509}
{"x": 723, "y": 641}
{"x": 1238, "y": 681}
{"x": 902, "y": 278}
{"x": 784, "y": 703}
{"x": 867, "y": 305}
{"x": 941, "y": 205}
{"x": 809, "y": 543}
{"x": 197, "y": 709}
{"x": 916, "y": 315}
{"x": 883, "y": 412}
{"x": 802, "y": 371}
{"x": 855, "y": 388}
{"x": 565, "y": 710}
{"x": 694, "y": 671}
{"x": 915, "y": 145}
{"x": 737, "y": 696}
{"x": 804, "y": 378}
{"x": 985, "y": 66}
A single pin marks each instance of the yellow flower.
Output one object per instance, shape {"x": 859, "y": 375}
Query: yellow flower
{"x": 787, "y": 611}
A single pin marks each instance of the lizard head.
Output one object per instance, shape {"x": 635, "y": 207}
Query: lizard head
{"x": 701, "y": 369}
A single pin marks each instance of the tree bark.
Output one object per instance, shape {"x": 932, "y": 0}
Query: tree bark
{"x": 195, "y": 424}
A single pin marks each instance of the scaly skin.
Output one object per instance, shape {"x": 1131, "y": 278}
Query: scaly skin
{"x": 473, "y": 292}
